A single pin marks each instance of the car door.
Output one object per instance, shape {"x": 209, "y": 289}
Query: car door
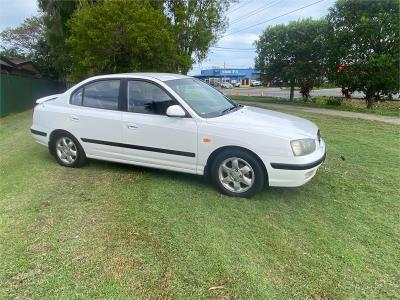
{"x": 96, "y": 118}
{"x": 151, "y": 137}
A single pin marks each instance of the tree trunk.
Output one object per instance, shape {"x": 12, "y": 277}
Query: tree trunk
{"x": 369, "y": 98}
{"x": 291, "y": 92}
{"x": 370, "y": 102}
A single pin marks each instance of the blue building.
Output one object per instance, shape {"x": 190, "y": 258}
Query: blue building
{"x": 217, "y": 76}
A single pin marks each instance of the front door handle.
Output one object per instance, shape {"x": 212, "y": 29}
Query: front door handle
{"x": 132, "y": 126}
{"x": 74, "y": 118}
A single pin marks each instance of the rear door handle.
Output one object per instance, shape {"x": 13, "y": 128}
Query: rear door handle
{"x": 74, "y": 118}
{"x": 132, "y": 126}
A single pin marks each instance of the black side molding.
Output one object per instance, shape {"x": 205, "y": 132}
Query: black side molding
{"x": 37, "y": 132}
{"x": 299, "y": 167}
{"x": 137, "y": 147}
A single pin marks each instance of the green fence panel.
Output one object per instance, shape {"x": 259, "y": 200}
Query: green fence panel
{"x": 19, "y": 93}
{"x": 4, "y": 107}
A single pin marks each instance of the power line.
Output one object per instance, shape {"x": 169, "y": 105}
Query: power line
{"x": 231, "y": 51}
{"x": 255, "y": 12}
{"x": 245, "y": 3}
{"x": 285, "y": 14}
{"x": 230, "y": 48}
{"x": 233, "y": 5}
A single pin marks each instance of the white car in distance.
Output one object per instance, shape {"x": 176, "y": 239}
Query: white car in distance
{"x": 255, "y": 83}
{"x": 226, "y": 85}
{"x": 178, "y": 123}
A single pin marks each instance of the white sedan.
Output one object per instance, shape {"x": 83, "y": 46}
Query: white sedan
{"x": 178, "y": 123}
{"x": 226, "y": 85}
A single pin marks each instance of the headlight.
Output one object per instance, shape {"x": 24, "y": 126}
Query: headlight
{"x": 303, "y": 146}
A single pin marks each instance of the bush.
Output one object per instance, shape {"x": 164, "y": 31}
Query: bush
{"x": 335, "y": 101}
{"x": 324, "y": 100}
{"x": 318, "y": 100}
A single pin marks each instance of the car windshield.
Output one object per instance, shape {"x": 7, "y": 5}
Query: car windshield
{"x": 202, "y": 98}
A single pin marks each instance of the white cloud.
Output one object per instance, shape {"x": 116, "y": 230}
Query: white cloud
{"x": 239, "y": 40}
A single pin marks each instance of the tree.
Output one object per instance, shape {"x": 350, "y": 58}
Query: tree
{"x": 22, "y": 40}
{"x": 197, "y": 26}
{"x": 120, "y": 36}
{"x": 27, "y": 41}
{"x": 293, "y": 54}
{"x": 56, "y": 14}
{"x": 11, "y": 53}
{"x": 364, "y": 46}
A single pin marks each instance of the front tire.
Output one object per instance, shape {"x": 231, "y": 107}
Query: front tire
{"x": 67, "y": 150}
{"x": 237, "y": 173}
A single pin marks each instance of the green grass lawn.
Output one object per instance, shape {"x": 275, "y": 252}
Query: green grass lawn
{"x": 386, "y": 108}
{"x": 116, "y": 231}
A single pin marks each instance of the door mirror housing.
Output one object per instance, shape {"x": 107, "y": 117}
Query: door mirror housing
{"x": 175, "y": 111}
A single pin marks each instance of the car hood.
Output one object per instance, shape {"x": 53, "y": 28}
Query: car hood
{"x": 263, "y": 120}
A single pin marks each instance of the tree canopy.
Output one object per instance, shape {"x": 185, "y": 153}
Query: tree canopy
{"x": 168, "y": 35}
{"x": 27, "y": 41}
{"x": 56, "y": 14}
{"x": 197, "y": 25}
{"x": 364, "y": 46}
{"x": 23, "y": 39}
{"x": 293, "y": 54}
{"x": 120, "y": 36}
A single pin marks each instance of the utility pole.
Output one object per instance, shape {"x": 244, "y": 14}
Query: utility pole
{"x": 224, "y": 73}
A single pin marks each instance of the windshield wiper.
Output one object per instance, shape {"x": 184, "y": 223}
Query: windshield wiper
{"x": 231, "y": 108}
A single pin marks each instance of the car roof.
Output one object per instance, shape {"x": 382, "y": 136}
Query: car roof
{"x": 159, "y": 76}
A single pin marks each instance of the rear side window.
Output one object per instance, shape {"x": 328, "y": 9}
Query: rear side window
{"x": 148, "y": 98}
{"x": 76, "y": 98}
{"x": 100, "y": 94}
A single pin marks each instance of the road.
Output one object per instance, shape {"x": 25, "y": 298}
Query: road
{"x": 330, "y": 112}
{"x": 285, "y": 93}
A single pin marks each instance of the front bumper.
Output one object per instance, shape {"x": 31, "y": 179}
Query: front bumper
{"x": 295, "y": 171}
{"x": 306, "y": 166}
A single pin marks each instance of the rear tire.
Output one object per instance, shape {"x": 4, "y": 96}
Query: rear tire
{"x": 237, "y": 173}
{"x": 67, "y": 150}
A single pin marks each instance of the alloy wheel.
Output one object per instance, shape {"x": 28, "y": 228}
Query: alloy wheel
{"x": 66, "y": 150}
{"x": 236, "y": 175}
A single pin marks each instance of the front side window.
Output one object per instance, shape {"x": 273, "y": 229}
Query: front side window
{"x": 147, "y": 98}
{"x": 202, "y": 98}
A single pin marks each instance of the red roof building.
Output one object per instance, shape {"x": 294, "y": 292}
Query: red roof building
{"x": 17, "y": 67}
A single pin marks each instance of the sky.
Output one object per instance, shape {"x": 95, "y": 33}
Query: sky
{"x": 13, "y": 12}
{"x": 247, "y": 13}
{"x": 243, "y": 14}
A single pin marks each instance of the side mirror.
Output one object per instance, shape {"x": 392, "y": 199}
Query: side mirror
{"x": 175, "y": 111}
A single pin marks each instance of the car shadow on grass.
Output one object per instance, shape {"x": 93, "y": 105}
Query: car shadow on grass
{"x": 198, "y": 181}
{"x": 163, "y": 174}
{"x": 268, "y": 193}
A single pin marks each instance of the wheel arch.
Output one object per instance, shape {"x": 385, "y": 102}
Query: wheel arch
{"x": 53, "y": 135}
{"x": 213, "y": 154}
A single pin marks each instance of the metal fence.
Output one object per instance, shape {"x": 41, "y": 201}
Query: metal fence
{"x": 19, "y": 93}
